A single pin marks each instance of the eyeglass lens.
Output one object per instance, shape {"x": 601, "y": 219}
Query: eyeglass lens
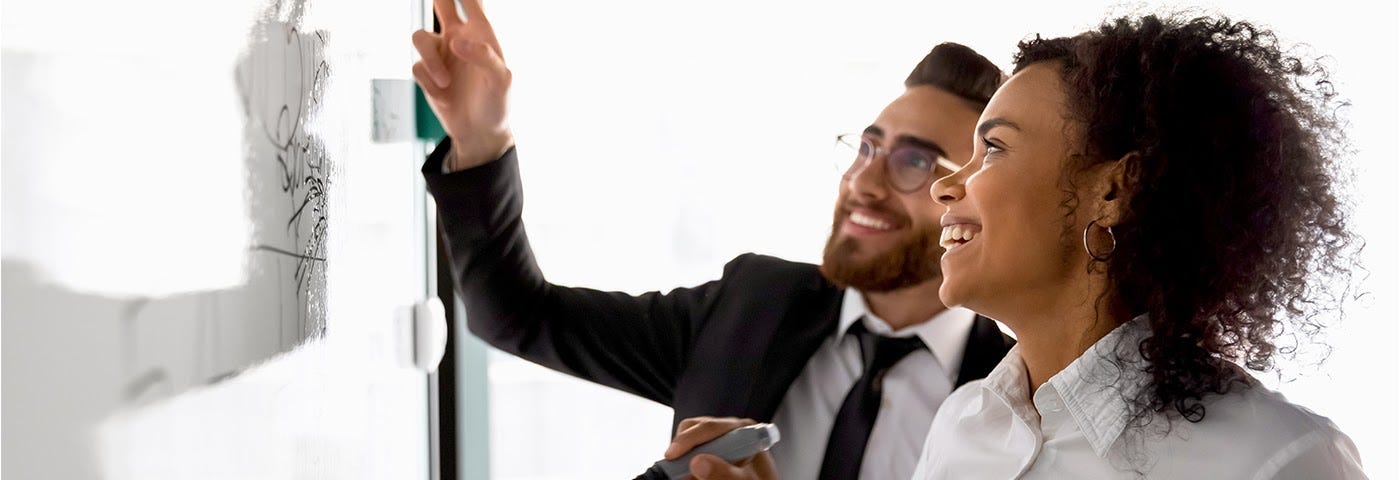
{"x": 908, "y": 168}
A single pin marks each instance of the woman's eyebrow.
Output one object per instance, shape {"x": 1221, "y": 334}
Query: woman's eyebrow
{"x": 996, "y": 122}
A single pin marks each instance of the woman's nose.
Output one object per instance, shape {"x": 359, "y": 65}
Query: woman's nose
{"x": 949, "y": 189}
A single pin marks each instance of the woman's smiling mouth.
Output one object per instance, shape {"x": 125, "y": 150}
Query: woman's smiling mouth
{"x": 956, "y": 234}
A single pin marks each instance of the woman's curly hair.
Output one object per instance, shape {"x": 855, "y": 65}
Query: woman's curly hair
{"x": 1234, "y": 194}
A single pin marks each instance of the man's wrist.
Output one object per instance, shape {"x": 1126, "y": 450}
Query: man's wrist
{"x": 477, "y": 151}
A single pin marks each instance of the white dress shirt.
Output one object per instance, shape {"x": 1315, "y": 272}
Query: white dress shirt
{"x": 1076, "y": 426}
{"x": 913, "y": 389}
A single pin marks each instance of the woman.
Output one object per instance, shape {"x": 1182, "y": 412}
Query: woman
{"x": 1149, "y": 204}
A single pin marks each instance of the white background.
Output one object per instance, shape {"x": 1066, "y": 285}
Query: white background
{"x": 660, "y": 139}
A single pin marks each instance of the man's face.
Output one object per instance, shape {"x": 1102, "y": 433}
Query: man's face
{"x": 881, "y": 238}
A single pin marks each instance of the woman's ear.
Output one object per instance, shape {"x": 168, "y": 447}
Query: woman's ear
{"x": 1113, "y": 184}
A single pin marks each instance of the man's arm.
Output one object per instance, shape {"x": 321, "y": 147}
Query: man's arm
{"x": 638, "y": 344}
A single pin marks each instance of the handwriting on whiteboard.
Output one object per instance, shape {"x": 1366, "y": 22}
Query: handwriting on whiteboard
{"x": 281, "y": 82}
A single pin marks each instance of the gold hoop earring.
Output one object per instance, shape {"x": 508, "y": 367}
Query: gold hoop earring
{"x": 1111, "y": 236}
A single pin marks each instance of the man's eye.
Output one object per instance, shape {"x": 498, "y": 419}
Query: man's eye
{"x": 915, "y": 159}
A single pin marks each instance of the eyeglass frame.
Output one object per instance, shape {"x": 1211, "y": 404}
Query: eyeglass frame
{"x": 931, "y": 175}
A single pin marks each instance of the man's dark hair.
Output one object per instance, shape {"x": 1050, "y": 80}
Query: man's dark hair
{"x": 959, "y": 70}
{"x": 1235, "y": 229}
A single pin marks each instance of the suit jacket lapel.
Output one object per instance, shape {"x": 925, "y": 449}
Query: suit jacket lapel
{"x": 812, "y": 318}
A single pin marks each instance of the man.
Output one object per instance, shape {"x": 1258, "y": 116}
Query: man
{"x": 852, "y": 356}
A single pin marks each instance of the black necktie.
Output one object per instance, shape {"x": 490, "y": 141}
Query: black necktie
{"x": 846, "y": 447}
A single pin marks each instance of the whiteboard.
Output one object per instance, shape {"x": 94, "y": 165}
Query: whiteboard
{"x": 204, "y": 251}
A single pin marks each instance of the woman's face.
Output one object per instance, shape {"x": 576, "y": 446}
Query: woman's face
{"x": 1008, "y": 240}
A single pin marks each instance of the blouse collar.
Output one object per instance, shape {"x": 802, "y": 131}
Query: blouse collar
{"x": 1092, "y": 388}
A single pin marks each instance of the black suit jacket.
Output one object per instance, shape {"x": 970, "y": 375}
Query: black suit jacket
{"x": 729, "y": 347}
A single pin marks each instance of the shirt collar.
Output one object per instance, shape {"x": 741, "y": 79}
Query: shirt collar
{"x": 945, "y": 334}
{"x": 1094, "y": 385}
{"x": 1008, "y": 382}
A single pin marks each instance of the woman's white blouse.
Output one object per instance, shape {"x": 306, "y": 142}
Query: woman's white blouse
{"x": 1077, "y": 426}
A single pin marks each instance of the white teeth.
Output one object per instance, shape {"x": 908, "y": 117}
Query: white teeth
{"x": 868, "y": 222}
{"x": 953, "y": 234}
{"x": 968, "y": 233}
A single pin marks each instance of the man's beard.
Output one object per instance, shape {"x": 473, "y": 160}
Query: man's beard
{"x": 914, "y": 260}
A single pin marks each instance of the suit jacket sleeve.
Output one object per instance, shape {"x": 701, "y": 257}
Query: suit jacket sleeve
{"x": 638, "y": 344}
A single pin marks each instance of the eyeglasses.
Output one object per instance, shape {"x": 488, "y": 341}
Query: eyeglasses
{"x": 907, "y": 168}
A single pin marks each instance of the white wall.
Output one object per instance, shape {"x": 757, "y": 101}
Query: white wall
{"x": 660, "y": 139}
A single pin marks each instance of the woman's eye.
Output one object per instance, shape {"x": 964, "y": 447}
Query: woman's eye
{"x": 991, "y": 148}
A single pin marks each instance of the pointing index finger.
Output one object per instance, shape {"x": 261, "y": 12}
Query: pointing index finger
{"x": 474, "y": 11}
{"x": 476, "y": 16}
{"x": 447, "y": 13}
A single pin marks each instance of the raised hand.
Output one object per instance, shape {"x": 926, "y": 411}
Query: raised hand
{"x": 693, "y": 432}
{"x": 464, "y": 76}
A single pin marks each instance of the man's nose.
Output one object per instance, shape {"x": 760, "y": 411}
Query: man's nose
{"x": 867, "y": 178}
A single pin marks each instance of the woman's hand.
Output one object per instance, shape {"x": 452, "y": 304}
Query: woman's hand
{"x": 698, "y": 430}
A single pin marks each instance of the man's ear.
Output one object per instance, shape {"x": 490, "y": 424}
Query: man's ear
{"x": 1113, "y": 184}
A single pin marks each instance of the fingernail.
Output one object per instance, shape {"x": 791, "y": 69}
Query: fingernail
{"x": 671, "y": 450}
{"x": 441, "y": 80}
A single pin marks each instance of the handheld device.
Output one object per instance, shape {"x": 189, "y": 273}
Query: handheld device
{"x": 738, "y": 444}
